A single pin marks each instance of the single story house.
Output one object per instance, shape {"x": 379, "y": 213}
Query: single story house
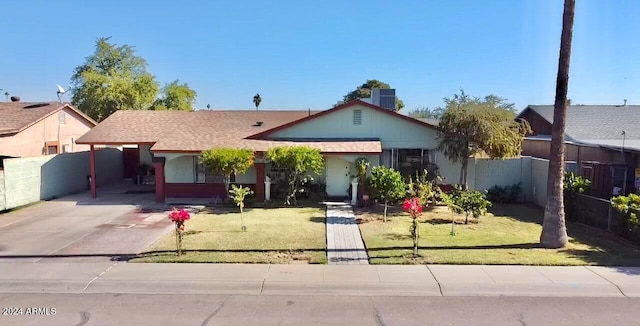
{"x": 34, "y": 129}
{"x": 175, "y": 140}
{"x": 604, "y": 141}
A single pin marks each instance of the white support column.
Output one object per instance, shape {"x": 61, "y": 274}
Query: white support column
{"x": 267, "y": 189}
{"x": 354, "y": 191}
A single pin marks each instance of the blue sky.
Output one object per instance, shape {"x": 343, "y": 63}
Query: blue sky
{"x": 308, "y": 54}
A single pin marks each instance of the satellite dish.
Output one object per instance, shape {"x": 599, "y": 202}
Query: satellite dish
{"x": 60, "y": 92}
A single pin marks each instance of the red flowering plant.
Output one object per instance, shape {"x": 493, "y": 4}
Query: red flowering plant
{"x": 413, "y": 207}
{"x": 179, "y": 217}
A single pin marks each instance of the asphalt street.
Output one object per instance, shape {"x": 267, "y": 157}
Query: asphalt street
{"x": 131, "y": 309}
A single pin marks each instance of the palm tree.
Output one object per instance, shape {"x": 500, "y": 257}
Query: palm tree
{"x": 256, "y": 100}
{"x": 554, "y": 231}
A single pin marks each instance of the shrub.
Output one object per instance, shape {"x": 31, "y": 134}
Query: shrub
{"x": 573, "y": 185}
{"x": 422, "y": 188}
{"x": 629, "y": 207}
{"x": 506, "y": 194}
{"x": 362, "y": 165}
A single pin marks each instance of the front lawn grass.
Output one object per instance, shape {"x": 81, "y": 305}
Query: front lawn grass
{"x": 277, "y": 235}
{"x": 509, "y": 235}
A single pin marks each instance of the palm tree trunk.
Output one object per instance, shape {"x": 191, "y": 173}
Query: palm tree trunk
{"x": 554, "y": 231}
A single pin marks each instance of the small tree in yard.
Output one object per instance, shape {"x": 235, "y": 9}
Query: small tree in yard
{"x": 297, "y": 161}
{"x": 238, "y": 194}
{"x": 226, "y": 161}
{"x": 470, "y": 202}
{"x": 387, "y": 185}
{"x": 179, "y": 217}
{"x": 413, "y": 207}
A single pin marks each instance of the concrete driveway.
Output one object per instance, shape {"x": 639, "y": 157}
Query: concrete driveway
{"x": 78, "y": 228}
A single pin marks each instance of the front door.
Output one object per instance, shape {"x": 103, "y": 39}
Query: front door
{"x": 130, "y": 161}
{"x": 338, "y": 176}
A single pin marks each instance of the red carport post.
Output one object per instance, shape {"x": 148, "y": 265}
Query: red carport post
{"x": 92, "y": 168}
{"x": 158, "y": 166}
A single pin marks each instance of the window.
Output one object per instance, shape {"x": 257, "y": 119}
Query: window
{"x": 201, "y": 175}
{"x": 51, "y": 147}
{"x": 409, "y": 161}
{"x": 357, "y": 117}
{"x": 62, "y": 118}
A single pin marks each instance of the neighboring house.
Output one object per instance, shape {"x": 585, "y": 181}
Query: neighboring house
{"x": 33, "y": 129}
{"x": 604, "y": 141}
{"x": 344, "y": 133}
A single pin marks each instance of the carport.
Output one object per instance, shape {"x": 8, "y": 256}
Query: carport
{"x": 144, "y": 157}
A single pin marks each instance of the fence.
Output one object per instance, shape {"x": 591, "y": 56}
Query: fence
{"x": 590, "y": 210}
{"x": 30, "y": 179}
{"x": 529, "y": 172}
{"x": 597, "y": 212}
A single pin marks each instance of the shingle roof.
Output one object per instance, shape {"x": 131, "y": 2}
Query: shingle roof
{"x": 17, "y": 116}
{"x": 180, "y": 131}
{"x": 590, "y": 123}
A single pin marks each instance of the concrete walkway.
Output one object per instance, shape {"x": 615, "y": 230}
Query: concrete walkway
{"x": 369, "y": 280}
{"x": 344, "y": 242}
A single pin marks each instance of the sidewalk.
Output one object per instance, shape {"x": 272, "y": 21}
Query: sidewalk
{"x": 344, "y": 242}
{"x": 383, "y": 280}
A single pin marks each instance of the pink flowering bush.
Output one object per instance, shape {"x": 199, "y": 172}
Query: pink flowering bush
{"x": 413, "y": 207}
{"x": 179, "y": 217}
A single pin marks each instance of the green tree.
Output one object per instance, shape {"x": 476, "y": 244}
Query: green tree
{"x": 238, "y": 194}
{"x": 298, "y": 162}
{"x": 364, "y": 91}
{"x": 426, "y": 113}
{"x": 554, "y": 229}
{"x": 387, "y": 185}
{"x": 226, "y": 161}
{"x": 470, "y": 202}
{"x": 472, "y": 125}
{"x": 112, "y": 78}
{"x": 176, "y": 96}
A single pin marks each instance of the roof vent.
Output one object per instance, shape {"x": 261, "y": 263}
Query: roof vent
{"x": 15, "y": 98}
{"x": 357, "y": 117}
{"x": 258, "y": 124}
